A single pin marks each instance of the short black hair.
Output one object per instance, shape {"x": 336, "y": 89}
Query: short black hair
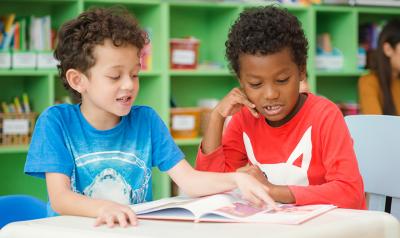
{"x": 263, "y": 31}
{"x": 78, "y": 37}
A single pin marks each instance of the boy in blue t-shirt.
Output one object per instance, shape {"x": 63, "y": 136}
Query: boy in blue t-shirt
{"x": 97, "y": 155}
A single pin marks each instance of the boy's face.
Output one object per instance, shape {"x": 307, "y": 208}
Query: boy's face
{"x": 272, "y": 83}
{"x": 113, "y": 81}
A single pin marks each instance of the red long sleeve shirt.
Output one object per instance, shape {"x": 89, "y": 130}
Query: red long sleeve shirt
{"x": 312, "y": 154}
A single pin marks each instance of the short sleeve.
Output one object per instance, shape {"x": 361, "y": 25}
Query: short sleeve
{"x": 48, "y": 151}
{"x": 165, "y": 153}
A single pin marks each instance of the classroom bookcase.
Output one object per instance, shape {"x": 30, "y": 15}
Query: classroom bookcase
{"x": 208, "y": 22}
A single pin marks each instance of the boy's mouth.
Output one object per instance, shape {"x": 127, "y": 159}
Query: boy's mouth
{"x": 124, "y": 99}
{"x": 272, "y": 110}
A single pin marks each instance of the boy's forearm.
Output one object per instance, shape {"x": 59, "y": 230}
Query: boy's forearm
{"x": 281, "y": 194}
{"x": 213, "y": 136}
{"x": 70, "y": 203}
{"x": 195, "y": 183}
{"x": 210, "y": 183}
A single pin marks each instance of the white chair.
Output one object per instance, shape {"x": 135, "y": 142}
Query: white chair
{"x": 377, "y": 145}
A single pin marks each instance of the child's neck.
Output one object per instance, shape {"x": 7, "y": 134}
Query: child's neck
{"x": 99, "y": 119}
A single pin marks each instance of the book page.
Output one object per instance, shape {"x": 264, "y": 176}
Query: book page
{"x": 289, "y": 213}
{"x": 197, "y": 206}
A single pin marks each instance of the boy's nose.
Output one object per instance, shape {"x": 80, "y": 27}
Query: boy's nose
{"x": 271, "y": 93}
{"x": 127, "y": 83}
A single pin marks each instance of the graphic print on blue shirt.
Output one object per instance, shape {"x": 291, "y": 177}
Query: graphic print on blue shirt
{"x": 110, "y": 182}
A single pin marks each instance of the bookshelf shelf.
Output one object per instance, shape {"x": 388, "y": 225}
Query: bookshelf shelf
{"x": 27, "y": 72}
{"x": 200, "y": 73}
{"x": 341, "y": 73}
{"x": 12, "y": 149}
{"x": 188, "y": 142}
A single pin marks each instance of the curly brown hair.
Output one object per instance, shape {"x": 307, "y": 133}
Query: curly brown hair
{"x": 264, "y": 31}
{"x": 78, "y": 37}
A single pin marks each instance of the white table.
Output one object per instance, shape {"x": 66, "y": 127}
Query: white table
{"x": 336, "y": 223}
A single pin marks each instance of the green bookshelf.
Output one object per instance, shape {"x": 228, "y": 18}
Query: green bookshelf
{"x": 206, "y": 21}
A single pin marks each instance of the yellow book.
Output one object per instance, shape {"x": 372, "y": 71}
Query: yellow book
{"x": 17, "y": 104}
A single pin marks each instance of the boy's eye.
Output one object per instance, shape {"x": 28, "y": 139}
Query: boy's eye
{"x": 283, "y": 80}
{"x": 255, "y": 85}
{"x": 135, "y": 76}
{"x": 114, "y": 77}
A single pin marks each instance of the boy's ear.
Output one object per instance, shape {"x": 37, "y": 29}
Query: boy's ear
{"x": 76, "y": 80}
{"x": 387, "y": 49}
{"x": 303, "y": 75}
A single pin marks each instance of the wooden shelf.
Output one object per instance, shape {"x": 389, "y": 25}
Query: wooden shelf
{"x": 188, "y": 142}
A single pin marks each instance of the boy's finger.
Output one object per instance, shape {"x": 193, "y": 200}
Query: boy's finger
{"x": 99, "y": 221}
{"x": 122, "y": 220}
{"x": 131, "y": 217}
{"x": 254, "y": 112}
{"x": 262, "y": 193}
{"x": 110, "y": 221}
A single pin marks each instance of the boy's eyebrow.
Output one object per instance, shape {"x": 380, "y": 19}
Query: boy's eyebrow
{"x": 283, "y": 70}
{"x": 120, "y": 66}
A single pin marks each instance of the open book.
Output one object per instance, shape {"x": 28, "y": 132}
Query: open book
{"x": 226, "y": 207}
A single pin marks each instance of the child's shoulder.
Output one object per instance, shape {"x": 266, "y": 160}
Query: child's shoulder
{"x": 59, "y": 110}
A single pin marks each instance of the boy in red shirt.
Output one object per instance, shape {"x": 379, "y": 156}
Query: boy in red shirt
{"x": 301, "y": 143}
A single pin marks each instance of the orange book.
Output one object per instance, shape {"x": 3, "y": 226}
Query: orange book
{"x": 17, "y": 37}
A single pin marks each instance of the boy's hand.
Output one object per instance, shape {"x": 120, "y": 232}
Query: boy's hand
{"x": 256, "y": 172}
{"x": 254, "y": 191}
{"x": 114, "y": 213}
{"x": 233, "y": 102}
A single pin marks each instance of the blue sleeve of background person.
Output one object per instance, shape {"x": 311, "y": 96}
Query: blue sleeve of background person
{"x": 165, "y": 153}
{"x": 48, "y": 151}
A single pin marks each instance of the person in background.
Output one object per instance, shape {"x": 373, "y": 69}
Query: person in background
{"x": 379, "y": 91}
{"x": 97, "y": 155}
{"x": 298, "y": 143}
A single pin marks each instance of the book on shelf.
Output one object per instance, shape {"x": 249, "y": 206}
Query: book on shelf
{"x": 226, "y": 207}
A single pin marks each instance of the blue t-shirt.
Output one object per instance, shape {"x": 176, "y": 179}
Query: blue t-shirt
{"x": 112, "y": 164}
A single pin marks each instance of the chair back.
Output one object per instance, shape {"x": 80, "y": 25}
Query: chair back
{"x": 20, "y": 208}
{"x": 376, "y": 141}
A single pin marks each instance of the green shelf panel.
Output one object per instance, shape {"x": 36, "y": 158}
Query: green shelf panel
{"x": 188, "y": 142}
{"x": 203, "y": 4}
{"x": 186, "y": 91}
{"x": 27, "y": 72}
{"x": 161, "y": 184}
{"x": 341, "y": 73}
{"x": 190, "y": 153}
{"x": 121, "y": 2}
{"x": 13, "y": 149}
{"x": 199, "y": 73}
{"x": 379, "y": 10}
{"x": 343, "y": 30}
{"x": 14, "y": 179}
{"x": 333, "y": 9}
{"x": 149, "y": 74}
{"x": 338, "y": 88}
{"x": 209, "y": 24}
{"x": 150, "y": 95}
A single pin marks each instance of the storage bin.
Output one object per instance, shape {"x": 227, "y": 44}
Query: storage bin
{"x": 185, "y": 122}
{"x": 16, "y": 128}
{"x": 184, "y": 53}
